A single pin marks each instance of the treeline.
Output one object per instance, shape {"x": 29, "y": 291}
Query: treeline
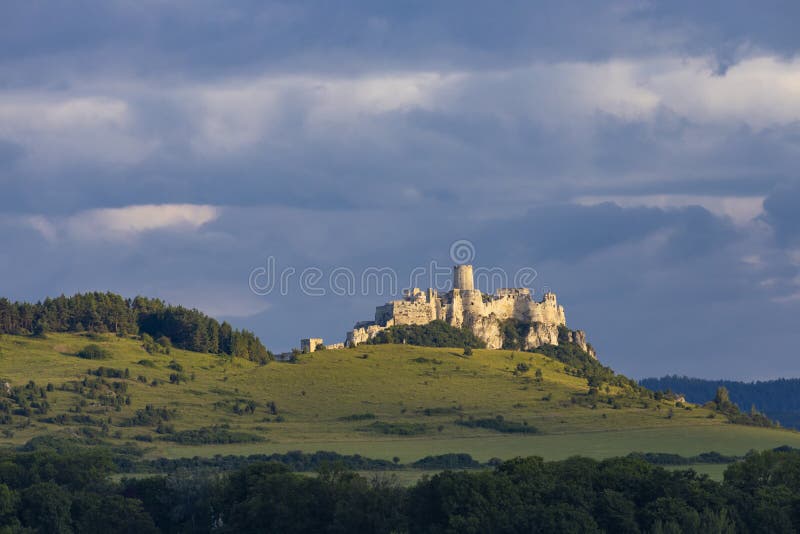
{"x": 434, "y": 334}
{"x": 70, "y": 490}
{"x": 181, "y": 327}
{"x": 778, "y": 399}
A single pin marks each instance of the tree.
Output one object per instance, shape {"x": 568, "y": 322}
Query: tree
{"x": 8, "y": 507}
{"x": 46, "y": 508}
{"x": 40, "y": 328}
{"x": 93, "y": 352}
{"x": 722, "y": 397}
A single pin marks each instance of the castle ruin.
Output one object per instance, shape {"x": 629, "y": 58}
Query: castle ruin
{"x": 465, "y": 306}
{"x": 313, "y": 344}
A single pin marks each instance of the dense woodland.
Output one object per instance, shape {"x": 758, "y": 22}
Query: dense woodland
{"x": 183, "y": 328}
{"x": 778, "y": 399}
{"x": 69, "y": 489}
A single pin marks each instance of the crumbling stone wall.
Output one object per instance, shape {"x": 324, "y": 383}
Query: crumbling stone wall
{"x": 482, "y": 313}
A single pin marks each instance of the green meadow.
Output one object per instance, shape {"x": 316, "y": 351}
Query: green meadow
{"x": 381, "y": 401}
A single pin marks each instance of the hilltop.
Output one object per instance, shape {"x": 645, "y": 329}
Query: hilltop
{"x": 381, "y": 401}
{"x": 161, "y": 325}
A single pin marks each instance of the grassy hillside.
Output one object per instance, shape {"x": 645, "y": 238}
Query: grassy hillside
{"x": 381, "y": 401}
{"x": 779, "y": 399}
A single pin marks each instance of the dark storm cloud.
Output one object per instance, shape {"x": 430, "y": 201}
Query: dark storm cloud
{"x": 211, "y": 39}
{"x": 208, "y": 38}
{"x": 725, "y": 27}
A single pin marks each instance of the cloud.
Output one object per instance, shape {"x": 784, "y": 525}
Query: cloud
{"x": 741, "y": 210}
{"x": 243, "y": 112}
{"x": 782, "y": 214}
{"x": 126, "y": 222}
{"x": 55, "y": 129}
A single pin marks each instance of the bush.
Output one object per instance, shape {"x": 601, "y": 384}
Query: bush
{"x": 434, "y": 334}
{"x": 499, "y": 424}
{"x": 358, "y": 417}
{"x": 93, "y": 352}
{"x": 211, "y": 435}
{"x": 175, "y": 366}
{"x": 108, "y": 372}
{"x": 447, "y": 461}
{"x": 396, "y": 429}
{"x": 150, "y": 415}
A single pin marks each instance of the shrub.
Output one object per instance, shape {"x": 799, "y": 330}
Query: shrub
{"x": 396, "y": 429}
{"x": 177, "y": 378}
{"x": 211, "y": 435}
{"x": 447, "y": 461}
{"x": 444, "y": 410}
{"x": 93, "y": 352}
{"x": 175, "y": 366}
{"x": 150, "y": 415}
{"x": 358, "y": 417}
{"x": 107, "y": 372}
{"x": 499, "y": 424}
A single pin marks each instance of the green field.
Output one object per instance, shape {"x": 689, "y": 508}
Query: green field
{"x": 329, "y": 399}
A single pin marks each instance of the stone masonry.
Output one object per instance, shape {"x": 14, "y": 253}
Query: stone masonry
{"x": 466, "y": 306}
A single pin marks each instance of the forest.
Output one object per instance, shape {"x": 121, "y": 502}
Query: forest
{"x": 177, "y": 326}
{"x": 62, "y": 489}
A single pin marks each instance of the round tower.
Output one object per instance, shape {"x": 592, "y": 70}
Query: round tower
{"x": 462, "y": 277}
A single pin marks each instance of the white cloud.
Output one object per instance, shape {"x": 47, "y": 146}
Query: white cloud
{"x": 126, "y": 222}
{"x": 239, "y": 113}
{"x": 759, "y": 91}
{"x": 57, "y": 128}
{"x": 94, "y": 120}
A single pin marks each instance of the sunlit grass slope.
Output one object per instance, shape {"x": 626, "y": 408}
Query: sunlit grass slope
{"x": 379, "y": 401}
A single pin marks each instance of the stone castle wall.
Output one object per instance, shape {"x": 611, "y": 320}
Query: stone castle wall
{"x": 482, "y": 313}
{"x": 309, "y": 345}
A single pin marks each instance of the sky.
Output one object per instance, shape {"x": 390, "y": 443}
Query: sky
{"x": 638, "y": 158}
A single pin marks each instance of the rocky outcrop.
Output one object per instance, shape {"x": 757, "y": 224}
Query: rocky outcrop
{"x": 579, "y": 338}
{"x": 487, "y": 329}
{"x": 541, "y": 334}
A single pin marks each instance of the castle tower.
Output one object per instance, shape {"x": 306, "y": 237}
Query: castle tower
{"x": 462, "y": 277}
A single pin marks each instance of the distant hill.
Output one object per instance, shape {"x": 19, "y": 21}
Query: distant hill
{"x": 778, "y": 399}
{"x": 99, "y": 313}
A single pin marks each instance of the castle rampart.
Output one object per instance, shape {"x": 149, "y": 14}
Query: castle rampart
{"x": 466, "y": 306}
